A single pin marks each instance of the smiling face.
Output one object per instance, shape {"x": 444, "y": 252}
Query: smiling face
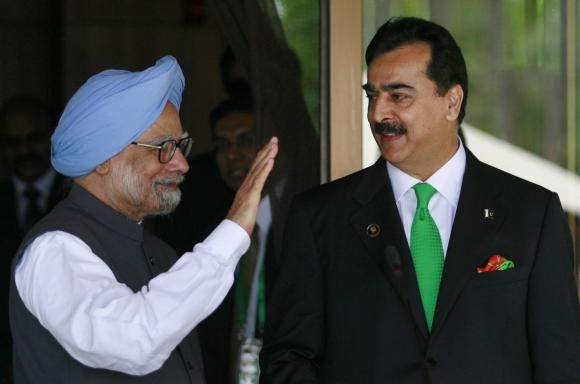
{"x": 236, "y": 148}
{"x": 138, "y": 185}
{"x": 415, "y": 128}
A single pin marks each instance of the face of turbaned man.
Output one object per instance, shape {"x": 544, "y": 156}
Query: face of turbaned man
{"x": 144, "y": 179}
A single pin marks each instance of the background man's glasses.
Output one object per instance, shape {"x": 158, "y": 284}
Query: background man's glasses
{"x": 167, "y": 148}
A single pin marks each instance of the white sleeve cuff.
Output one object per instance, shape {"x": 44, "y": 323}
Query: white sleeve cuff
{"x": 228, "y": 241}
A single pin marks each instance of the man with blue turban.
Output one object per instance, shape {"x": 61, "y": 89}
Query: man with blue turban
{"x": 94, "y": 297}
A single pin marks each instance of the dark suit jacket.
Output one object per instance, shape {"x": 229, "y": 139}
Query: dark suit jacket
{"x": 11, "y": 234}
{"x": 205, "y": 203}
{"x": 344, "y": 312}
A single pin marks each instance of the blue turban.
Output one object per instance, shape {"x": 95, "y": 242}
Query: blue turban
{"x": 109, "y": 111}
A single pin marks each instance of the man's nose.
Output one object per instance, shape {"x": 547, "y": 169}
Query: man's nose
{"x": 380, "y": 110}
{"x": 233, "y": 152}
{"x": 178, "y": 163}
{"x": 23, "y": 147}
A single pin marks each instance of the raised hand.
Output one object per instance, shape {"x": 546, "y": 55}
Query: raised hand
{"x": 244, "y": 209}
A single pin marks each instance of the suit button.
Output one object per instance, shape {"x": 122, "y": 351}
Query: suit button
{"x": 431, "y": 362}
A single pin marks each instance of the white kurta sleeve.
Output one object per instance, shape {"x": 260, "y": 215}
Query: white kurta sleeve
{"x": 102, "y": 323}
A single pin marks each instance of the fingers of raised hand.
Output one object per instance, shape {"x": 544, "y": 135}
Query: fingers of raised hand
{"x": 262, "y": 165}
{"x": 267, "y": 153}
{"x": 245, "y": 205}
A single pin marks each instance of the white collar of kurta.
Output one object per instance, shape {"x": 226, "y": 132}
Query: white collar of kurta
{"x": 446, "y": 180}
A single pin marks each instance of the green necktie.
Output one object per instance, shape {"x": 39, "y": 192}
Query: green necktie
{"x": 427, "y": 251}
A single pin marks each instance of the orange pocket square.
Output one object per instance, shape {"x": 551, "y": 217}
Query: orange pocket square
{"x": 496, "y": 263}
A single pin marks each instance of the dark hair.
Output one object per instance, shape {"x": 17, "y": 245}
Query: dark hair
{"x": 235, "y": 84}
{"x": 447, "y": 65}
{"x": 226, "y": 108}
{"x": 26, "y": 104}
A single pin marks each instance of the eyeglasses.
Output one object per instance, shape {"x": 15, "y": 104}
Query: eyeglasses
{"x": 167, "y": 148}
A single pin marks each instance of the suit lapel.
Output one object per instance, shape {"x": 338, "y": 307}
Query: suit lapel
{"x": 471, "y": 232}
{"x": 10, "y": 212}
{"x": 378, "y": 210}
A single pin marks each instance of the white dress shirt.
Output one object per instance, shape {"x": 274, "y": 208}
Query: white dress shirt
{"x": 263, "y": 223}
{"x": 442, "y": 206}
{"x": 103, "y": 323}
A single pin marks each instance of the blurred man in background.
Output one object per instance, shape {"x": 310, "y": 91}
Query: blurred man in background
{"x": 32, "y": 188}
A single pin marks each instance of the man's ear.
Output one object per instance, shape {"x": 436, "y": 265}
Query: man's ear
{"x": 103, "y": 168}
{"x": 454, "y": 99}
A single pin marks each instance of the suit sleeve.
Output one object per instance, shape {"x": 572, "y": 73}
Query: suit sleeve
{"x": 553, "y": 308}
{"x": 294, "y": 334}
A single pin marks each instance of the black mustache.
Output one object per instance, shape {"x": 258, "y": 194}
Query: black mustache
{"x": 386, "y": 128}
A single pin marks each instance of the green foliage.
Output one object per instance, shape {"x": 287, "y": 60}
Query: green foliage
{"x": 301, "y": 24}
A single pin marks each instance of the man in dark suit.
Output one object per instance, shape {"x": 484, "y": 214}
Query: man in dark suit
{"x": 208, "y": 192}
{"x": 429, "y": 266}
{"x": 32, "y": 189}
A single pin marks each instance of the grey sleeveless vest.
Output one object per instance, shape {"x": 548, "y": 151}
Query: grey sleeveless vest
{"x": 135, "y": 256}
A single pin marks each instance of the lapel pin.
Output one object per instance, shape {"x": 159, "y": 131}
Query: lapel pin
{"x": 489, "y": 213}
{"x": 373, "y": 230}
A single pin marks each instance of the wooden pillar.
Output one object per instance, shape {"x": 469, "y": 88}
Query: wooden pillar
{"x": 345, "y": 87}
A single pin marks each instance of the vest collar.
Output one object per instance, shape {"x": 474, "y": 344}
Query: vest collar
{"x": 105, "y": 214}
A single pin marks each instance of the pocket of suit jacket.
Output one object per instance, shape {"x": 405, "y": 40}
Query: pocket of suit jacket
{"x": 500, "y": 277}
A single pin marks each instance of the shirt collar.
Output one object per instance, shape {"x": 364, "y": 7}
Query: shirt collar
{"x": 447, "y": 179}
{"x": 264, "y": 217}
{"x": 43, "y": 184}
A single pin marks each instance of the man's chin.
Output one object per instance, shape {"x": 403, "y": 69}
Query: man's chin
{"x": 168, "y": 201}
{"x": 235, "y": 179}
{"x": 234, "y": 183}
{"x": 392, "y": 155}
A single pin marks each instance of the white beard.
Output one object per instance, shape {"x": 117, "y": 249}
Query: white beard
{"x": 131, "y": 186}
